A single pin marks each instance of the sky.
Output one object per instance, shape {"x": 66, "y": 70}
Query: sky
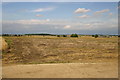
{"x": 60, "y": 0}
{"x": 60, "y": 17}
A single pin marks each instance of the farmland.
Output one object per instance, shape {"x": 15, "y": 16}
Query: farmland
{"x": 52, "y": 49}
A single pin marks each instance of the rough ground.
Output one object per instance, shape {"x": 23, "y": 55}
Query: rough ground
{"x": 43, "y": 57}
{"x": 67, "y": 70}
{"x": 38, "y": 49}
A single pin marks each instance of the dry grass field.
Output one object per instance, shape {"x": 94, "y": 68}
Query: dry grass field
{"x": 51, "y": 49}
{"x": 60, "y": 57}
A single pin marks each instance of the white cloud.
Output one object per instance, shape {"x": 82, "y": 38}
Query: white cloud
{"x": 62, "y": 24}
{"x": 88, "y": 24}
{"x": 83, "y": 16}
{"x": 28, "y": 22}
{"x": 38, "y": 15}
{"x": 43, "y": 9}
{"x": 67, "y": 26}
{"x": 102, "y": 11}
{"x": 82, "y": 10}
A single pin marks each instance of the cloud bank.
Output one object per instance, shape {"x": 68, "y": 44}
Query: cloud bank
{"x": 58, "y": 26}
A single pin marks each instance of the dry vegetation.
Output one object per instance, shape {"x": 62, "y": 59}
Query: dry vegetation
{"x": 38, "y": 49}
{"x": 3, "y": 44}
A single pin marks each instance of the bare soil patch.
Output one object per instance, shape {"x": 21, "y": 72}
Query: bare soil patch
{"x": 66, "y": 70}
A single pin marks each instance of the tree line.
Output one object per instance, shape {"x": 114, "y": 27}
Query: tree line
{"x": 72, "y": 35}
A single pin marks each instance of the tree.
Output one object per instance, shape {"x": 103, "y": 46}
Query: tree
{"x": 74, "y": 35}
{"x": 64, "y": 35}
{"x": 93, "y": 35}
{"x": 58, "y": 35}
{"x": 96, "y": 36}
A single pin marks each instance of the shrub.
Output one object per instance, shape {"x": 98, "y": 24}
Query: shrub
{"x": 74, "y": 35}
{"x": 58, "y": 35}
{"x": 96, "y": 36}
{"x": 64, "y": 35}
{"x": 93, "y": 35}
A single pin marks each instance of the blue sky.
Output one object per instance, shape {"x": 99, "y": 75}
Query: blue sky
{"x": 60, "y": 17}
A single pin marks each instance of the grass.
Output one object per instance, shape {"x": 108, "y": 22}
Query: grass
{"x": 9, "y": 42}
{"x": 48, "y": 62}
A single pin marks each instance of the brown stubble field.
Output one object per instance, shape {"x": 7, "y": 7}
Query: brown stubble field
{"x": 51, "y": 49}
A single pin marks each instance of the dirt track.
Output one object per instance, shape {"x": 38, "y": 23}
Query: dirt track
{"x": 67, "y": 70}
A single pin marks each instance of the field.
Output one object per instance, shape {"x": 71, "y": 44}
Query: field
{"x": 59, "y": 57}
{"x": 51, "y": 49}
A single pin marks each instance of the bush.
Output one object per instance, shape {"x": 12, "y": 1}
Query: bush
{"x": 58, "y": 35}
{"x": 93, "y": 35}
{"x": 74, "y": 35}
{"x": 64, "y": 35}
{"x": 96, "y": 36}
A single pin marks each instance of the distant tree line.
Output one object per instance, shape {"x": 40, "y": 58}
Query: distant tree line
{"x": 108, "y": 36}
{"x": 41, "y": 34}
{"x": 72, "y": 35}
{"x": 27, "y": 34}
{"x": 12, "y": 35}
